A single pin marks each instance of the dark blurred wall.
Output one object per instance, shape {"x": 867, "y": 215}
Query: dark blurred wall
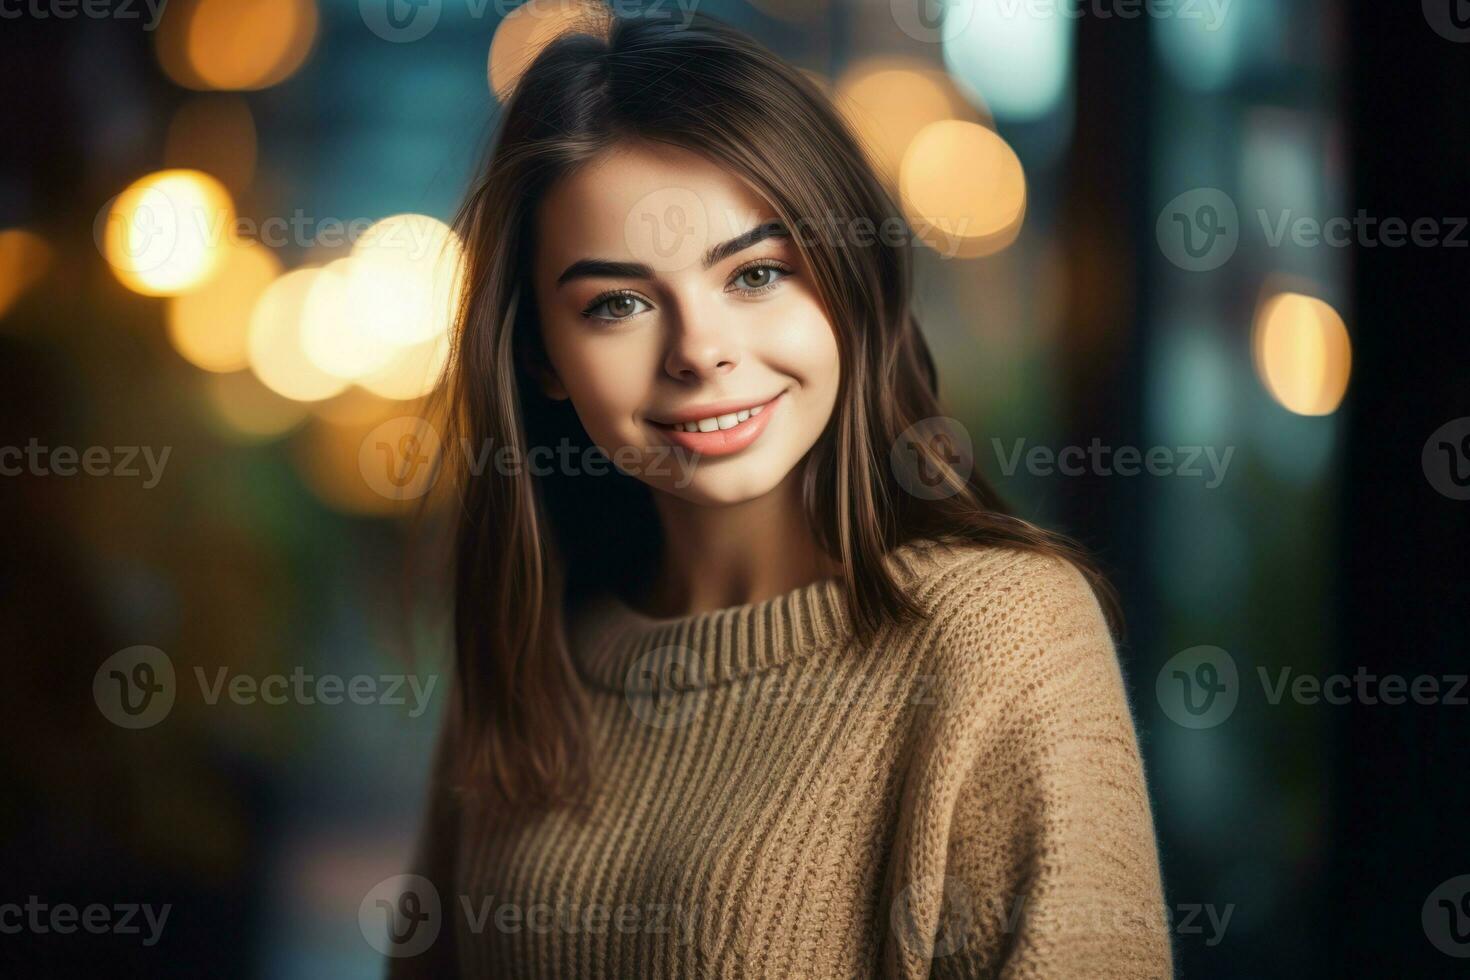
{"x": 1402, "y": 794}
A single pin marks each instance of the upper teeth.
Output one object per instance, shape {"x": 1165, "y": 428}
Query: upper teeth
{"x": 719, "y": 421}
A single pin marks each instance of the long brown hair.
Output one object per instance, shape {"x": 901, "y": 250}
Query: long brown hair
{"x": 526, "y": 544}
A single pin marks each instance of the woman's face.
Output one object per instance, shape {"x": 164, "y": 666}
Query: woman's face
{"x": 669, "y": 293}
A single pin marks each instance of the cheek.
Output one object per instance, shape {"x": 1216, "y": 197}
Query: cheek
{"x": 806, "y": 347}
{"x": 607, "y": 379}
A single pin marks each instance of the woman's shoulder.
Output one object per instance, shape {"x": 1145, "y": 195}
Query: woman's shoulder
{"x": 999, "y": 606}
{"x": 957, "y": 576}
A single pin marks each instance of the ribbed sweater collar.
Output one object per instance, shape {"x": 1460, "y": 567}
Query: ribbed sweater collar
{"x": 618, "y": 648}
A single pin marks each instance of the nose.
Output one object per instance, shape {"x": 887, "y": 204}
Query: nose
{"x": 702, "y": 344}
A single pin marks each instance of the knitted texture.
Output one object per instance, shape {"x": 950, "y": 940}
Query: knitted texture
{"x": 962, "y": 797}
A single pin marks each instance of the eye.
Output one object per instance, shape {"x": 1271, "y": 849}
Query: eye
{"x": 616, "y": 306}
{"x": 760, "y": 276}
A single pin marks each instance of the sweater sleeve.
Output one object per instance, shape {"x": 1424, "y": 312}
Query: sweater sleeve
{"x": 1031, "y": 853}
{"x": 434, "y": 863}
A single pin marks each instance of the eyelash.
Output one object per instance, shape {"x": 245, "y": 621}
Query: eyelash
{"x": 774, "y": 264}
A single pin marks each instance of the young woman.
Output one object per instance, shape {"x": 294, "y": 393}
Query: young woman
{"x": 784, "y": 691}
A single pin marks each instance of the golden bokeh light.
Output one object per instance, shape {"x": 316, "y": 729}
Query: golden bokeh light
{"x": 171, "y": 44}
{"x": 414, "y": 372}
{"x": 529, "y": 28}
{"x": 24, "y": 259}
{"x": 210, "y": 326}
{"x": 887, "y": 101}
{"x": 353, "y": 407}
{"x": 405, "y": 279}
{"x": 1302, "y": 353}
{"x": 336, "y": 340}
{"x": 167, "y": 232}
{"x": 216, "y": 134}
{"x": 276, "y": 353}
{"x": 249, "y": 409}
{"x": 963, "y": 189}
{"x": 235, "y": 45}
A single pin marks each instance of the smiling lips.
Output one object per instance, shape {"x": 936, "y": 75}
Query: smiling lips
{"x": 719, "y": 429}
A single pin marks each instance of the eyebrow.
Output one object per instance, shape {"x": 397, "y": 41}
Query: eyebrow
{"x": 592, "y": 268}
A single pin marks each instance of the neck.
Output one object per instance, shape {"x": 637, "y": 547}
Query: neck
{"x": 715, "y": 557}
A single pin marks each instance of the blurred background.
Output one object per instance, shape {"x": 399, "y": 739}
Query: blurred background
{"x": 1204, "y": 309}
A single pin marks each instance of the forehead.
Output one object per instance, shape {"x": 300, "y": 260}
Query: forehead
{"x": 657, "y": 204}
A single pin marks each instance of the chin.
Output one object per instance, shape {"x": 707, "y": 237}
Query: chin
{"x": 712, "y": 488}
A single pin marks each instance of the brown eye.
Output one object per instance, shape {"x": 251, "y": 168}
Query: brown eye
{"x": 618, "y": 306}
{"x": 759, "y": 278}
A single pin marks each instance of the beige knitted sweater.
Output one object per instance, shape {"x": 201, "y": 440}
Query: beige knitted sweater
{"x": 962, "y": 798}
